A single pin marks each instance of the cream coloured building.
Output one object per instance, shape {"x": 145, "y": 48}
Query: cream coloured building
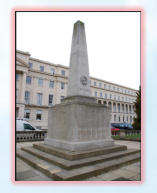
{"x": 41, "y": 84}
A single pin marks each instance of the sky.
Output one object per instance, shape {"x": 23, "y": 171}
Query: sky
{"x": 113, "y": 41}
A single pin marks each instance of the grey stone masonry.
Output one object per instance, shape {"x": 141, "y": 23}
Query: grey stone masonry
{"x": 79, "y": 82}
{"x": 79, "y": 123}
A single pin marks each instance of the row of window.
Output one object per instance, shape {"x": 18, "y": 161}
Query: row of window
{"x": 113, "y": 97}
{"x": 123, "y": 119}
{"x": 41, "y": 82}
{"x": 27, "y": 113}
{"x": 41, "y": 69}
{"x": 40, "y": 98}
{"x": 120, "y": 108}
{"x": 114, "y": 88}
{"x": 126, "y": 108}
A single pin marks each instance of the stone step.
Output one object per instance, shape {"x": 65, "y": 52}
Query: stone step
{"x": 41, "y": 165}
{"x": 69, "y": 155}
{"x": 67, "y": 164}
{"x": 57, "y": 173}
{"x": 96, "y": 169}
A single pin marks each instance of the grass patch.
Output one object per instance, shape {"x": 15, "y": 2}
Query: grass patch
{"x": 136, "y": 137}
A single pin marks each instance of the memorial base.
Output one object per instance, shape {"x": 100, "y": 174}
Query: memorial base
{"x": 79, "y": 123}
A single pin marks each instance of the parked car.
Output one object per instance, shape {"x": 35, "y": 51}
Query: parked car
{"x": 23, "y": 125}
{"x": 122, "y": 125}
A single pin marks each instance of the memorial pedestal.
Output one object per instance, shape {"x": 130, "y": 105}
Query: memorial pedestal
{"x": 79, "y": 123}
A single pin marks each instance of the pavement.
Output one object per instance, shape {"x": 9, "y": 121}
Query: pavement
{"x": 131, "y": 172}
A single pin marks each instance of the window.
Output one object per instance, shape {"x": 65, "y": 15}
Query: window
{"x": 99, "y": 101}
{"x": 105, "y": 103}
{"x": 114, "y": 107}
{"x": 38, "y": 115}
{"x": 63, "y": 72}
{"x": 62, "y": 85}
{"x": 39, "y": 99}
{"x": 95, "y": 93}
{"x": 62, "y": 97}
{"x": 110, "y": 106}
{"x": 30, "y": 65}
{"x": 27, "y": 114}
{"x": 51, "y": 85}
{"x": 28, "y": 127}
{"x": 17, "y": 77}
{"x": 110, "y": 96}
{"x": 17, "y": 112}
{"x": 119, "y": 118}
{"x": 126, "y": 108}
{"x": 27, "y": 97}
{"x": 52, "y": 70}
{"x": 41, "y": 68}
{"x": 118, "y": 108}
{"x": 104, "y": 85}
{"x": 40, "y": 82}
{"x": 115, "y": 118}
{"x": 122, "y": 107}
{"x": 130, "y": 119}
{"x": 101, "y": 94}
{"x": 17, "y": 93}
{"x": 94, "y": 83}
{"x": 28, "y": 80}
{"x": 99, "y": 84}
{"x": 50, "y": 99}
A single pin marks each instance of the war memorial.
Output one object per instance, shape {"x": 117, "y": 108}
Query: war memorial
{"x": 79, "y": 139}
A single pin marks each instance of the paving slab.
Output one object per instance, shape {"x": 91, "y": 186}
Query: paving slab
{"x": 107, "y": 176}
{"x": 136, "y": 177}
{"x": 129, "y": 144}
{"x": 25, "y": 172}
{"x": 124, "y": 173}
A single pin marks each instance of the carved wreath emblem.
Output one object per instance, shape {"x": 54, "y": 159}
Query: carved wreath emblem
{"x": 83, "y": 80}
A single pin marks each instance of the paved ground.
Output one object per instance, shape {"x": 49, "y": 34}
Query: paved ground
{"x": 24, "y": 172}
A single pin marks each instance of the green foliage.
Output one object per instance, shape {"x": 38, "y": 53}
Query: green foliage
{"x": 129, "y": 137}
{"x": 137, "y": 104}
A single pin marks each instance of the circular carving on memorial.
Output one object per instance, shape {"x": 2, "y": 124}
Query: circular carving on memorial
{"x": 83, "y": 80}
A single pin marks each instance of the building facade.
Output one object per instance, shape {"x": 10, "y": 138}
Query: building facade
{"x": 41, "y": 84}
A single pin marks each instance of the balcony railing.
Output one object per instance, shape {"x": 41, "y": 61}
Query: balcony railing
{"x": 22, "y": 136}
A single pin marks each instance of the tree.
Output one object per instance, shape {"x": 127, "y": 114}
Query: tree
{"x": 137, "y": 104}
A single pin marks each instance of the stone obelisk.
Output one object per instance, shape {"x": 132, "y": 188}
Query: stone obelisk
{"x": 79, "y": 82}
{"x": 78, "y": 123}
